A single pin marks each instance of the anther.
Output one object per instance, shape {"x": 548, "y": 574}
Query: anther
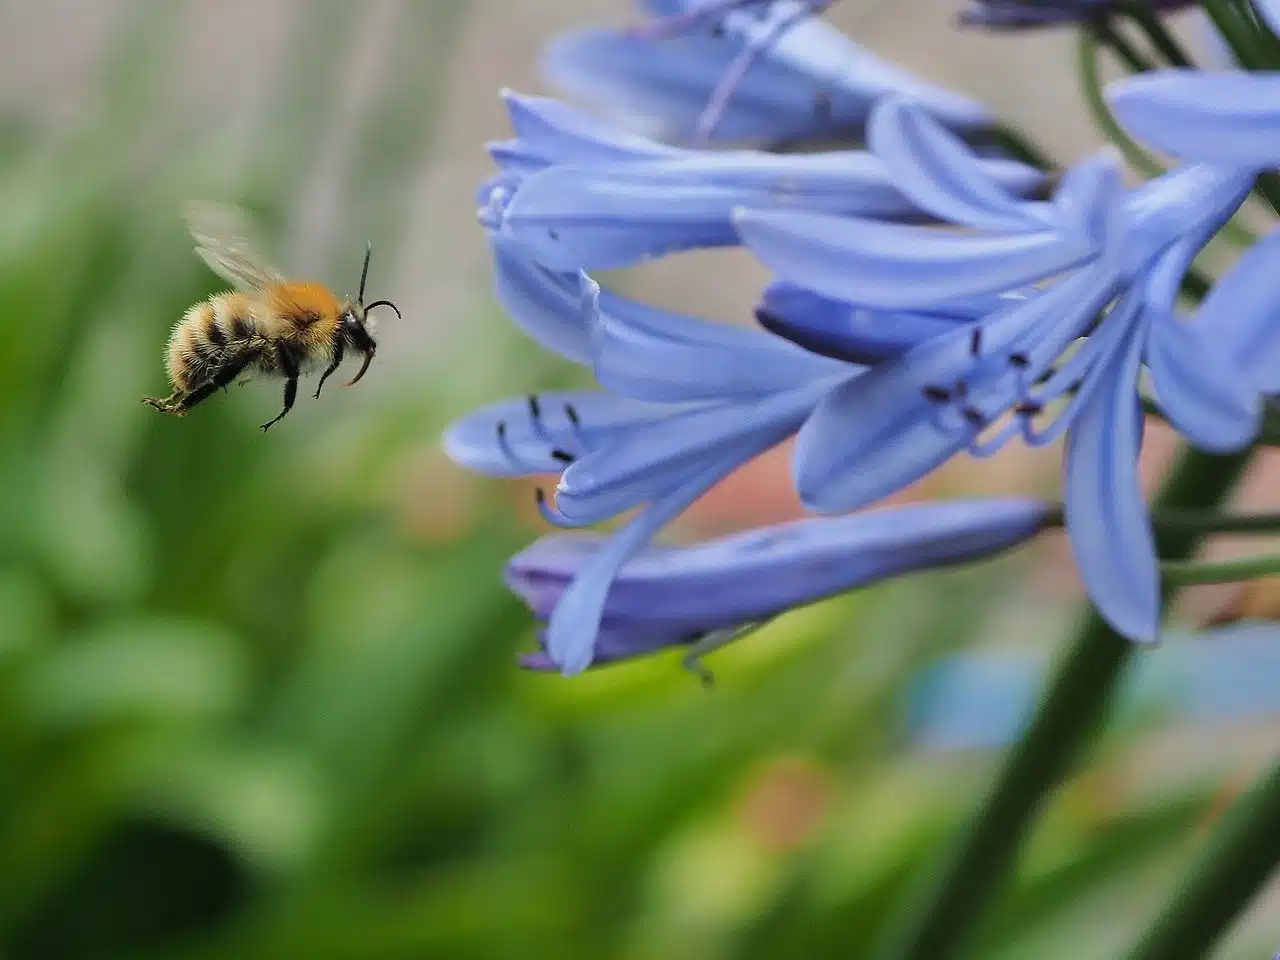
{"x": 563, "y": 456}
{"x": 535, "y": 408}
{"x": 974, "y": 416}
{"x": 1029, "y": 409}
{"x": 572, "y": 414}
{"x": 936, "y": 394}
{"x": 975, "y": 341}
{"x": 1019, "y": 360}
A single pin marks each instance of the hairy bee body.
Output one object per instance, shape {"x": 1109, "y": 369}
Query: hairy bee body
{"x": 268, "y": 326}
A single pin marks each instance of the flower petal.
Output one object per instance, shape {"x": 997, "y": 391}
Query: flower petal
{"x": 1230, "y": 117}
{"x": 833, "y": 328}
{"x": 651, "y": 354}
{"x": 1242, "y": 311}
{"x": 525, "y": 443}
{"x": 1106, "y": 516}
{"x": 572, "y": 629}
{"x": 941, "y": 174}
{"x": 545, "y": 304}
{"x": 564, "y": 134}
{"x": 901, "y": 267}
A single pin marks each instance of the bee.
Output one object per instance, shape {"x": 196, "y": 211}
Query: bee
{"x": 267, "y": 326}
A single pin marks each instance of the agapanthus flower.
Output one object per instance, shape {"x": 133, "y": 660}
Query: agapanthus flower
{"x": 1065, "y": 360}
{"x": 686, "y": 403}
{"x": 577, "y": 193}
{"x": 744, "y": 71}
{"x": 1028, "y": 14}
{"x": 665, "y": 597}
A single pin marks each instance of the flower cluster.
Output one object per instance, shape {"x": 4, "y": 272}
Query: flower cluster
{"x": 889, "y": 342}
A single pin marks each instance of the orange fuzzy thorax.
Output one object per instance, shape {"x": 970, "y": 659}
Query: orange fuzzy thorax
{"x": 310, "y": 309}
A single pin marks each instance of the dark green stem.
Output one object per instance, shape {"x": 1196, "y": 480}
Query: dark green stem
{"x": 1224, "y": 571}
{"x": 1240, "y": 857}
{"x": 1240, "y": 34}
{"x": 1105, "y": 31}
{"x": 939, "y": 924}
{"x": 1187, "y": 521}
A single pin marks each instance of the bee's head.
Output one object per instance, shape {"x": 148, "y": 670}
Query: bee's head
{"x": 357, "y": 325}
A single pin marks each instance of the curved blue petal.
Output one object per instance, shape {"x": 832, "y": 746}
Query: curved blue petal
{"x": 1089, "y": 192}
{"x": 941, "y": 174}
{"x": 1189, "y": 203}
{"x": 625, "y": 471}
{"x": 1269, "y": 10}
{"x": 573, "y": 626}
{"x": 1242, "y": 311}
{"x": 869, "y": 438}
{"x": 564, "y": 134}
{"x": 650, "y": 354}
{"x": 543, "y": 303}
{"x": 843, "y": 331}
{"x": 568, "y": 218}
{"x": 1230, "y": 117}
{"x": 895, "y": 266}
{"x": 525, "y": 443}
{"x": 1106, "y": 516}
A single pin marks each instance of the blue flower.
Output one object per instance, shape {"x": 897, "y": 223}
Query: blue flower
{"x": 665, "y": 597}
{"x": 745, "y": 71}
{"x": 576, "y": 193}
{"x": 686, "y": 403}
{"x": 1024, "y": 14}
{"x": 1229, "y": 117}
{"x": 1064, "y": 361}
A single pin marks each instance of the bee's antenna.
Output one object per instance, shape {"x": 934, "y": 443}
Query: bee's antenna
{"x": 364, "y": 274}
{"x": 384, "y": 303}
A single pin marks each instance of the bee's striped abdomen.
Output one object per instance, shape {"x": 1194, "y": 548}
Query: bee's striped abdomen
{"x": 210, "y": 335}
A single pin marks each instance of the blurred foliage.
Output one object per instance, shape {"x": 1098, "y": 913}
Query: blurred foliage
{"x": 248, "y": 709}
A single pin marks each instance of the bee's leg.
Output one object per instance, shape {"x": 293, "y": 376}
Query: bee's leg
{"x": 288, "y": 366}
{"x": 180, "y": 403}
{"x": 338, "y": 345}
{"x": 167, "y": 404}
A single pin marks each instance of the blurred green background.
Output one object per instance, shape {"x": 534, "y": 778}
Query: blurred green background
{"x": 257, "y": 693}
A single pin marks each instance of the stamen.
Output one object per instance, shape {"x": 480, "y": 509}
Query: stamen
{"x": 937, "y": 394}
{"x": 535, "y": 408}
{"x": 551, "y": 514}
{"x": 1019, "y": 360}
{"x": 572, "y": 414}
{"x": 510, "y": 455}
{"x": 987, "y": 448}
{"x": 975, "y": 341}
{"x": 562, "y": 455}
{"x": 975, "y": 416}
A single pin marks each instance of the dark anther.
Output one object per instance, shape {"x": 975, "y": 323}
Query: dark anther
{"x": 535, "y": 408}
{"x": 1029, "y": 409}
{"x": 539, "y": 495}
{"x": 975, "y": 341}
{"x": 502, "y": 430}
{"x": 563, "y": 456}
{"x": 974, "y": 416}
{"x": 572, "y": 414}
{"x": 553, "y": 234}
{"x": 717, "y": 30}
{"x": 936, "y": 394}
{"x": 1020, "y": 360}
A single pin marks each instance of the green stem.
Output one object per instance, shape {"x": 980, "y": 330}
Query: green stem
{"x": 1150, "y": 23}
{"x": 1091, "y": 82}
{"x": 1187, "y": 521}
{"x": 1105, "y": 31}
{"x": 1077, "y": 697}
{"x": 1225, "y": 571}
{"x": 1269, "y": 186}
{"x": 1241, "y": 855}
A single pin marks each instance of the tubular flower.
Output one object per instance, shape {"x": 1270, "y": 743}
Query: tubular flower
{"x": 576, "y": 193}
{"x": 740, "y": 71}
{"x": 1026, "y": 14}
{"x": 665, "y": 597}
{"x": 686, "y": 403}
{"x": 1063, "y": 361}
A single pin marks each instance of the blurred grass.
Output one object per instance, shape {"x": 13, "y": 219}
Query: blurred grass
{"x": 248, "y": 710}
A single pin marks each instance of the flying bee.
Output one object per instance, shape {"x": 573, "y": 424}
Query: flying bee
{"x": 268, "y": 326}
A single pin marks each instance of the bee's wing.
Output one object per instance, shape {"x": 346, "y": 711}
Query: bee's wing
{"x": 225, "y": 241}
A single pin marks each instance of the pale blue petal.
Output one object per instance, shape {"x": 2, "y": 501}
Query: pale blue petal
{"x": 833, "y": 328}
{"x": 1088, "y": 193}
{"x": 1230, "y": 117}
{"x": 572, "y": 629}
{"x": 867, "y": 439}
{"x": 564, "y": 134}
{"x": 1269, "y": 10}
{"x": 651, "y": 354}
{"x": 543, "y": 303}
{"x": 1192, "y": 201}
{"x": 942, "y": 175}
{"x": 474, "y": 441}
{"x": 903, "y": 267}
{"x": 624, "y": 471}
{"x": 1106, "y": 515}
{"x": 1242, "y": 311}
